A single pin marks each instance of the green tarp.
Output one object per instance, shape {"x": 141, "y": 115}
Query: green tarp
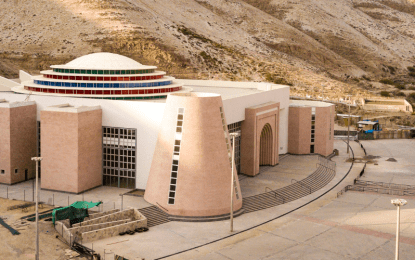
{"x": 84, "y": 204}
{"x": 75, "y": 212}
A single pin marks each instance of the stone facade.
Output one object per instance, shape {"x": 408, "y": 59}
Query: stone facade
{"x": 259, "y": 137}
{"x": 71, "y": 148}
{"x": 191, "y": 169}
{"x": 311, "y": 127}
{"x": 17, "y": 141}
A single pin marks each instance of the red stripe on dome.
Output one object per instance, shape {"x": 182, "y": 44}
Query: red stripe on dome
{"x": 102, "y": 92}
{"x": 102, "y": 78}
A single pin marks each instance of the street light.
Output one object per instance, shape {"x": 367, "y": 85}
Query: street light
{"x": 37, "y": 159}
{"x": 348, "y": 132}
{"x": 398, "y": 203}
{"x": 235, "y": 134}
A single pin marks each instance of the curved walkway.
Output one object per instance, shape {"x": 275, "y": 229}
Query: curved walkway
{"x": 184, "y": 240}
{"x": 346, "y": 173}
{"x": 324, "y": 173}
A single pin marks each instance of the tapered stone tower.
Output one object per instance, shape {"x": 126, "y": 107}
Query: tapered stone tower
{"x": 190, "y": 173}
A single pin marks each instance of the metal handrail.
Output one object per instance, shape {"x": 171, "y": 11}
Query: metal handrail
{"x": 276, "y": 194}
{"x": 301, "y": 184}
{"x": 386, "y": 185}
{"x": 326, "y": 167}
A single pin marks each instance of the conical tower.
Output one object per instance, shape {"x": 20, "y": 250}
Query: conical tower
{"x": 191, "y": 169}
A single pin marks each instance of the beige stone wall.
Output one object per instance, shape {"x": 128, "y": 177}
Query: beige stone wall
{"x": 65, "y": 233}
{"x": 71, "y": 150}
{"x": 90, "y": 150}
{"x": 323, "y": 140}
{"x": 5, "y": 145}
{"x": 392, "y": 134}
{"x": 77, "y": 231}
{"x": 255, "y": 120}
{"x": 100, "y": 214}
{"x": 59, "y": 148}
{"x": 204, "y": 170}
{"x": 17, "y": 143}
{"x": 102, "y": 227}
{"x": 299, "y": 130}
{"x": 23, "y": 142}
{"x": 131, "y": 214}
{"x": 112, "y": 231}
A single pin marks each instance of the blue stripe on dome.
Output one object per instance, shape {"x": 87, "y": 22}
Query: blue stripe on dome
{"x": 103, "y": 85}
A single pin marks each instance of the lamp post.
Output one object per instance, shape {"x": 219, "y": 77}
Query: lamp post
{"x": 348, "y": 131}
{"x": 37, "y": 159}
{"x": 233, "y": 176}
{"x": 398, "y": 203}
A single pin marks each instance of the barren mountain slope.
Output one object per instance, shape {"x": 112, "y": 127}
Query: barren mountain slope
{"x": 301, "y": 42}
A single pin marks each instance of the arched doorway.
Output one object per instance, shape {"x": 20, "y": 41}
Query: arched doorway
{"x": 266, "y": 144}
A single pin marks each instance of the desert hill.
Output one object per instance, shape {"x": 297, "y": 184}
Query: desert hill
{"x": 320, "y": 46}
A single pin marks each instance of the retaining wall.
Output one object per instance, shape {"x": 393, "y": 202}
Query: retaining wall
{"x": 125, "y": 214}
{"x": 65, "y": 233}
{"x": 399, "y": 134}
{"x": 97, "y": 215}
{"x": 102, "y": 225}
{"x": 77, "y": 231}
{"x": 112, "y": 231}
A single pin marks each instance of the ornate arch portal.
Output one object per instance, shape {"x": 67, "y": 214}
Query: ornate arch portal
{"x": 259, "y": 139}
{"x": 266, "y": 144}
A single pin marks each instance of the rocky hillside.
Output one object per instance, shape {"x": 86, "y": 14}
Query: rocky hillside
{"x": 322, "y": 47}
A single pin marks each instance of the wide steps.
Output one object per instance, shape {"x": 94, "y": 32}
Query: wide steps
{"x": 314, "y": 182}
{"x": 154, "y": 216}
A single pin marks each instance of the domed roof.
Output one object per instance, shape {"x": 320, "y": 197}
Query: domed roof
{"x": 103, "y": 61}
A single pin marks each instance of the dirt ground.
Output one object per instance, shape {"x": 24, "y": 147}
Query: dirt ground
{"x": 23, "y": 246}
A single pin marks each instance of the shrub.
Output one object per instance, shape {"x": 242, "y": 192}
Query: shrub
{"x": 411, "y": 69}
{"x": 271, "y": 78}
{"x": 387, "y": 81}
{"x": 400, "y": 94}
{"x": 384, "y": 94}
{"x": 392, "y": 70}
{"x": 412, "y": 74}
{"x": 366, "y": 78}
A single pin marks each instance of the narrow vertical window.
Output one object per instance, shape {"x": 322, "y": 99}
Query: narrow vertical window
{"x": 313, "y": 128}
{"x": 176, "y": 156}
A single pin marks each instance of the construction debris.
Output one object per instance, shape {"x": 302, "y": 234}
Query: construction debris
{"x": 71, "y": 253}
{"x": 12, "y": 230}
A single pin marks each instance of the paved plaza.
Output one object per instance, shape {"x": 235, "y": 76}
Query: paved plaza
{"x": 395, "y": 161}
{"x": 355, "y": 225}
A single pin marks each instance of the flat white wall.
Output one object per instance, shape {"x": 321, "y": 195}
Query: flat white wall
{"x": 146, "y": 118}
{"x": 235, "y": 110}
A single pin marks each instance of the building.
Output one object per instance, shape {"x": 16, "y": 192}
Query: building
{"x": 75, "y": 134}
{"x": 17, "y": 141}
{"x": 183, "y": 180}
{"x": 393, "y": 105}
{"x": 311, "y": 127}
{"x": 135, "y": 107}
